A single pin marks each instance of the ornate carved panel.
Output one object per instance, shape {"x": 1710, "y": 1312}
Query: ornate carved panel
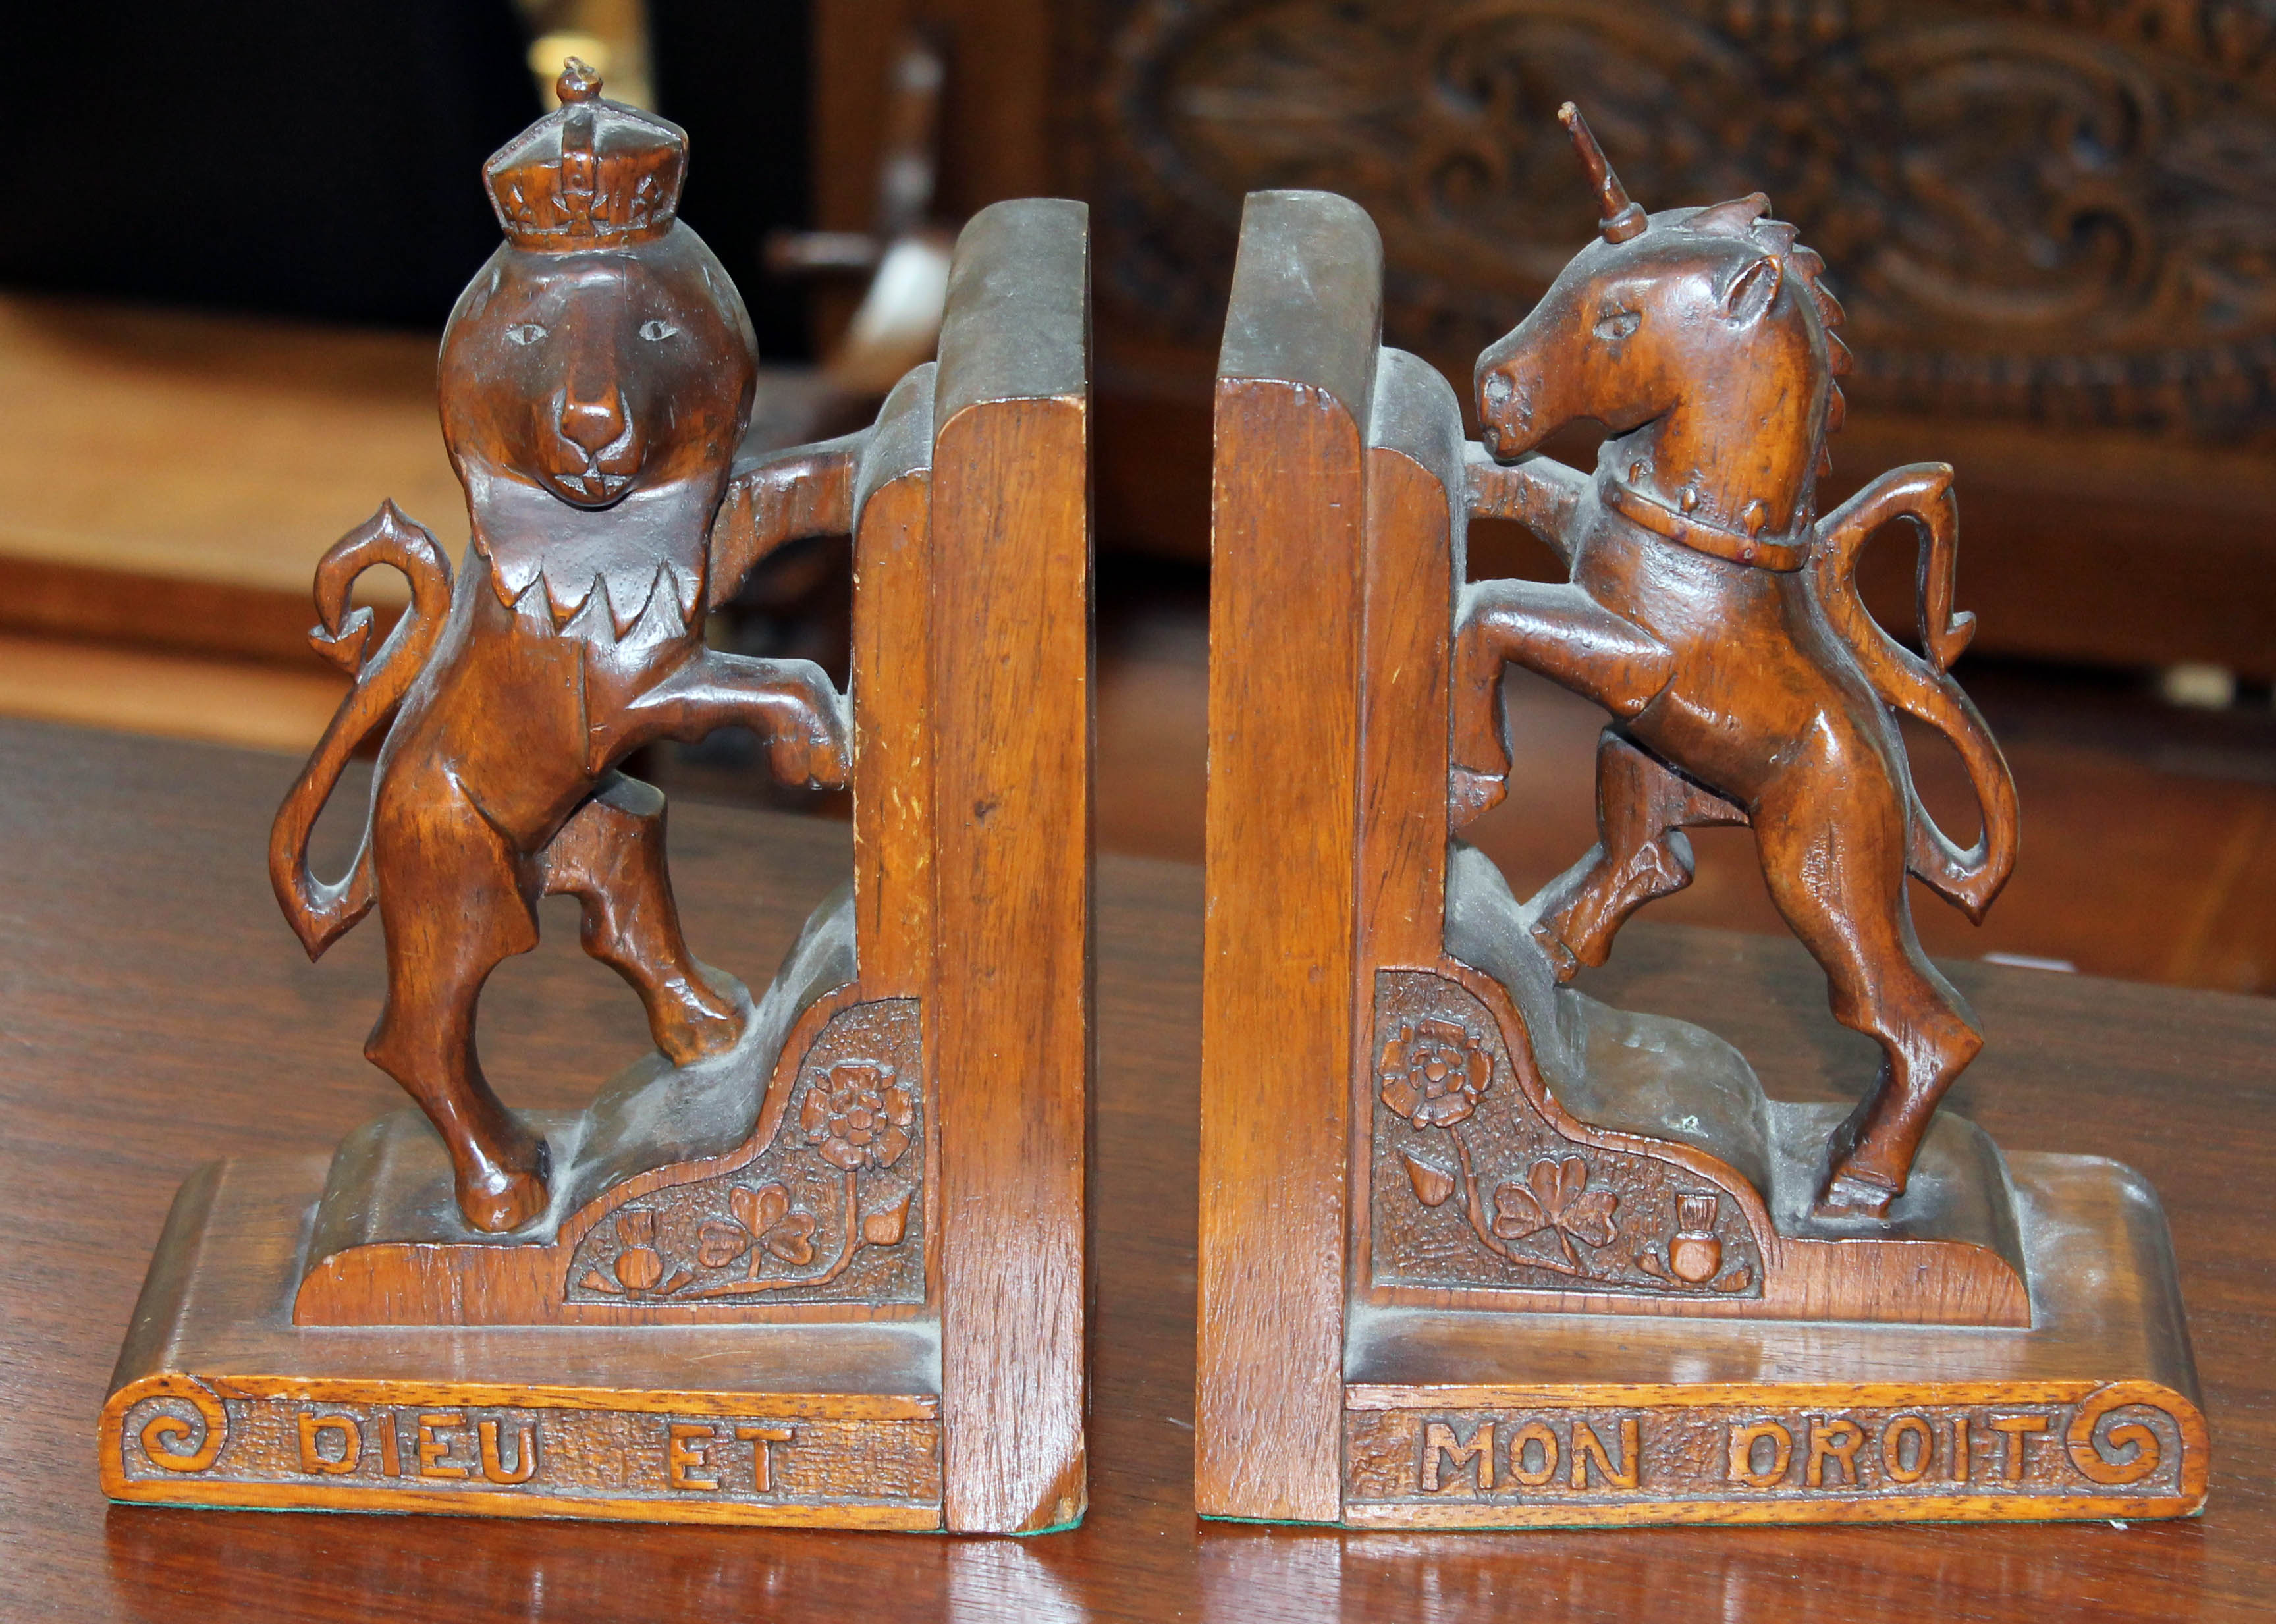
{"x": 2063, "y": 210}
{"x": 1473, "y": 1186}
{"x": 831, "y": 1209}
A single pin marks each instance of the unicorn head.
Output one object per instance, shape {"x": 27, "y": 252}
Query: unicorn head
{"x": 1702, "y": 338}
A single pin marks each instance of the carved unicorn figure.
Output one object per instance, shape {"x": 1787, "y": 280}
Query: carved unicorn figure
{"x": 1716, "y": 614}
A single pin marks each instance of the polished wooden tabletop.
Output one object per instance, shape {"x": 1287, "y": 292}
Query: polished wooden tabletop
{"x": 154, "y": 1012}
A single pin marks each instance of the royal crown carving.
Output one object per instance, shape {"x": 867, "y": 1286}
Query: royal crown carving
{"x": 596, "y": 174}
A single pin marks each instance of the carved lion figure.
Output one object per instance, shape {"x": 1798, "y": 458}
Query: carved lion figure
{"x": 597, "y": 378}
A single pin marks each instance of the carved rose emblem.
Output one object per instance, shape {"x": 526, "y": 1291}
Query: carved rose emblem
{"x": 1433, "y": 1072}
{"x": 764, "y": 1220}
{"x": 1556, "y": 1196}
{"x": 859, "y": 1115}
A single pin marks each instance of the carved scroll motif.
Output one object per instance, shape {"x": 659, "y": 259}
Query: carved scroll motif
{"x": 831, "y": 1210}
{"x": 2060, "y": 213}
{"x": 1474, "y": 1186}
{"x": 180, "y": 1425}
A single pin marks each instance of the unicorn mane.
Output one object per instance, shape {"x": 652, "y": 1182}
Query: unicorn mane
{"x": 1749, "y": 217}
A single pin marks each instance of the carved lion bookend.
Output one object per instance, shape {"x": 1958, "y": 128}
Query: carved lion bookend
{"x": 1478, "y": 1250}
{"x": 796, "y": 1264}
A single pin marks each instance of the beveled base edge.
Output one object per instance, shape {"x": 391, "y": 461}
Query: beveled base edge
{"x": 220, "y": 1401}
{"x": 1780, "y": 1451}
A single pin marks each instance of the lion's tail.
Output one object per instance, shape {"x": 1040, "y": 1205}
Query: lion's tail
{"x": 1924, "y": 687}
{"x": 320, "y": 911}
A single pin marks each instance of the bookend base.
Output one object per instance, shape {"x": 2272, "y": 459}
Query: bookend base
{"x": 219, "y": 1399}
{"x": 1458, "y": 1420}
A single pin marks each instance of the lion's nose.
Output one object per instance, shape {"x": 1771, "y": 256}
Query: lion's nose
{"x": 595, "y": 425}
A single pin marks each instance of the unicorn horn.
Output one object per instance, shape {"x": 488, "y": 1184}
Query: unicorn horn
{"x": 1623, "y": 218}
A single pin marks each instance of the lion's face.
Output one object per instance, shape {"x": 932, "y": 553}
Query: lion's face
{"x": 592, "y": 374}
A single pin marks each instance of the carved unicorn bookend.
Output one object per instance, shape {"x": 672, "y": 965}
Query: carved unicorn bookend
{"x": 818, "y": 1258}
{"x": 1477, "y": 1248}
{"x": 1716, "y": 614}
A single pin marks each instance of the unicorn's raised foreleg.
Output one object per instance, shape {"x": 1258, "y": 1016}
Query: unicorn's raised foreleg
{"x": 1830, "y": 833}
{"x": 1643, "y": 808}
{"x": 1557, "y": 630}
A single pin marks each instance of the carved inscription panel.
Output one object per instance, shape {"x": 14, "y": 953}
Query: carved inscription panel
{"x": 1907, "y": 1453}
{"x": 178, "y": 1438}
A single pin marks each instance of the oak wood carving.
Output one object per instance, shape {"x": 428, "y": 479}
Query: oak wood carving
{"x": 863, "y": 1181}
{"x": 1434, "y": 1168}
{"x": 175, "y": 831}
{"x": 596, "y": 375}
{"x": 1714, "y": 612}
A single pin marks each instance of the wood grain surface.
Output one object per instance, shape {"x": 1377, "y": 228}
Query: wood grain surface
{"x": 1288, "y": 529}
{"x": 1009, "y": 1019}
{"x": 156, "y": 1015}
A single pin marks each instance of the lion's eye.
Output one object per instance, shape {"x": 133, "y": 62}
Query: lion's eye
{"x": 1615, "y": 325}
{"x": 525, "y": 333}
{"x": 654, "y": 332}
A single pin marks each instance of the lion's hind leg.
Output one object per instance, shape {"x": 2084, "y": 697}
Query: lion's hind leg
{"x": 1643, "y": 808}
{"x": 453, "y": 907}
{"x": 609, "y": 856}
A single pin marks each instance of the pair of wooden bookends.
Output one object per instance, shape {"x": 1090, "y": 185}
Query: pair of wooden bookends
{"x": 1476, "y": 1250}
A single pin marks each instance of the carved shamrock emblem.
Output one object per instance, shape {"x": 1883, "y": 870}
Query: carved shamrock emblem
{"x": 1556, "y": 1196}
{"x": 859, "y": 1115}
{"x": 1433, "y": 1072}
{"x": 765, "y": 1223}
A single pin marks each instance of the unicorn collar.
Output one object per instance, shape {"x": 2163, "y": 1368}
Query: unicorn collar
{"x": 1782, "y": 555}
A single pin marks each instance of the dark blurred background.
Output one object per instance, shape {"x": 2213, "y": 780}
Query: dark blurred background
{"x": 2053, "y": 226}
{"x": 287, "y": 159}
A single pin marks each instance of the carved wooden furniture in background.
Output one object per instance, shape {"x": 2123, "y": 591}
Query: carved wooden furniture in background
{"x": 2050, "y": 225}
{"x": 855, "y": 1198}
{"x": 168, "y": 836}
{"x": 1476, "y": 1249}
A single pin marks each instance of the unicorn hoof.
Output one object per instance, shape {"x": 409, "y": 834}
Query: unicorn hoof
{"x": 1854, "y": 1194}
{"x": 506, "y": 1203}
{"x": 1561, "y": 958}
{"x": 501, "y": 1194}
{"x": 1469, "y": 793}
{"x": 691, "y": 1022}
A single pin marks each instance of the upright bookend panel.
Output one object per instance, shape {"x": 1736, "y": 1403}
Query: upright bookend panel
{"x": 820, "y": 1258}
{"x": 1476, "y": 1249}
